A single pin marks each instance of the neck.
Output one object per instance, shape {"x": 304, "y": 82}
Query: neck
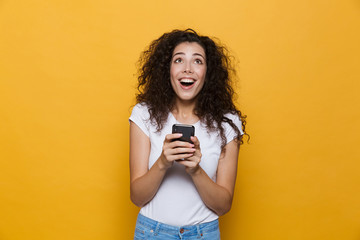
{"x": 183, "y": 111}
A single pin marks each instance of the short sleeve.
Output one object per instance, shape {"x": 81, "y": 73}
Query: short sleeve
{"x": 230, "y": 133}
{"x": 140, "y": 116}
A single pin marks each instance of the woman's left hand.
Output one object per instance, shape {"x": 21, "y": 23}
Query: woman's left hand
{"x": 192, "y": 163}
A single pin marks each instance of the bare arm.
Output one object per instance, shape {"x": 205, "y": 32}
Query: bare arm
{"x": 216, "y": 195}
{"x": 144, "y": 182}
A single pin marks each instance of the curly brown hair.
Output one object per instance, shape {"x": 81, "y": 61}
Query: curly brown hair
{"x": 215, "y": 98}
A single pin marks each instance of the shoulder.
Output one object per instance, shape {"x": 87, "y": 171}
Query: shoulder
{"x": 235, "y": 119}
{"x": 140, "y": 109}
{"x": 140, "y": 112}
{"x": 140, "y": 116}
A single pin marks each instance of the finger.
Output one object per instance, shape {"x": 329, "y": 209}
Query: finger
{"x": 198, "y": 153}
{"x": 180, "y": 157}
{"x": 179, "y": 150}
{"x": 196, "y": 141}
{"x": 177, "y": 144}
{"x": 195, "y": 159}
{"x": 170, "y": 137}
{"x": 186, "y": 163}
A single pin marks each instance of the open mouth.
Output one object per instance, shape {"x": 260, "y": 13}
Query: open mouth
{"x": 187, "y": 82}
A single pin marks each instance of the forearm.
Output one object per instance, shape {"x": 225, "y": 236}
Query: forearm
{"x": 215, "y": 197}
{"x": 144, "y": 188}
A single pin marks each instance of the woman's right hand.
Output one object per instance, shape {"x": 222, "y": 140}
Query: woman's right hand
{"x": 175, "y": 150}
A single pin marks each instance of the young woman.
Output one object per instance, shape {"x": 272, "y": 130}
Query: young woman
{"x": 181, "y": 187}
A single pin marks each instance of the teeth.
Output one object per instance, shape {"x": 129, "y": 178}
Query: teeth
{"x": 186, "y": 80}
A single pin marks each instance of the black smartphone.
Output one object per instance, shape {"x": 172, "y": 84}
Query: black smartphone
{"x": 186, "y": 130}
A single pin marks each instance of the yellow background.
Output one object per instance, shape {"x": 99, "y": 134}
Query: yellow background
{"x": 67, "y": 85}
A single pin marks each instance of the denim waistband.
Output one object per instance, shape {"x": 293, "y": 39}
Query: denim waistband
{"x": 189, "y": 230}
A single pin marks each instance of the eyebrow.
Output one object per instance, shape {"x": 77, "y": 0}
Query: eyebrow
{"x": 195, "y": 54}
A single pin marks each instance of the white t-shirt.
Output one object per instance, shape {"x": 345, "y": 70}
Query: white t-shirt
{"x": 177, "y": 202}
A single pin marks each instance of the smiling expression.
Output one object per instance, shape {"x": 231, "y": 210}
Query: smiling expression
{"x": 188, "y": 70}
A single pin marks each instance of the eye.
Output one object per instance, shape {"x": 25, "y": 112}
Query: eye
{"x": 198, "y": 61}
{"x": 178, "y": 60}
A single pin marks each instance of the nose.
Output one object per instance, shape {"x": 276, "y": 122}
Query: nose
{"x": 187, "y": 68}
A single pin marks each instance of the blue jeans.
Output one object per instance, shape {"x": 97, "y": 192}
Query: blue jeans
{"x": 147, "y": 228}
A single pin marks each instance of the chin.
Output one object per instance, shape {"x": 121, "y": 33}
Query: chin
{"x": 187, "y": 98}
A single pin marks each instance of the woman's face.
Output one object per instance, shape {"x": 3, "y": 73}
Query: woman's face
{"x": 188, "y": 70}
